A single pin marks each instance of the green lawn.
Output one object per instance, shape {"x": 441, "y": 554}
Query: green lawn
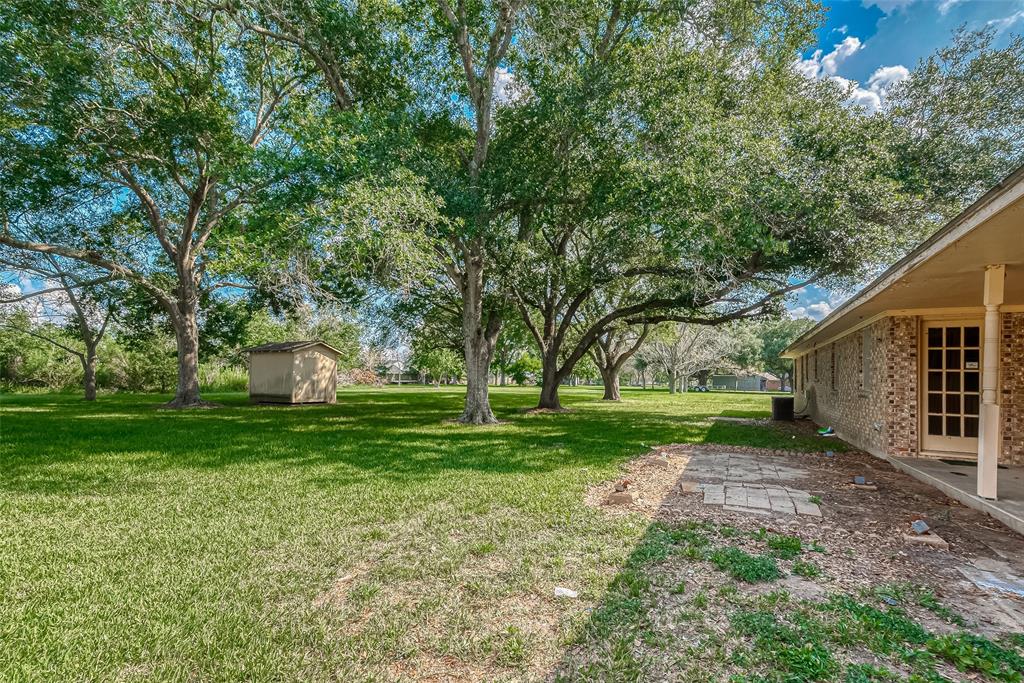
{"x": 371, "y": 539}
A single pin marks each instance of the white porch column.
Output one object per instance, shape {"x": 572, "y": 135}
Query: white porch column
{"x": 988, "y": 433}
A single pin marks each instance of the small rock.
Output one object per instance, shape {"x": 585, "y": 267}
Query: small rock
{"x": 929, "y": 539}
{"x": 661, "y": 462}
{"x": 622, "y": 485}
{"x": 565, "y": 593}
{"x": 620, "y": 498}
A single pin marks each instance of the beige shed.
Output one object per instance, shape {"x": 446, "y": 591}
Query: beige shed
{"x": 293, "y": 372}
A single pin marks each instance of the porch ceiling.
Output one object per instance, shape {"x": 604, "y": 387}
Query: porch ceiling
{"x": 947, "y": 271}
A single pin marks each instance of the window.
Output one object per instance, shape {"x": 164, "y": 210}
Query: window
{"x": 815, "y": 365}
{"x": 832, "y": 379}
{"x": 866, "y": 347}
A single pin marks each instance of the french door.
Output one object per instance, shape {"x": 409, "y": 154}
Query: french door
{"x": 951, "y": 386}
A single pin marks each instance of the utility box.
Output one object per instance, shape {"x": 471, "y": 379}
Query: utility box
{"x": 782, "y": 408}
{"x": 293, "y": 373}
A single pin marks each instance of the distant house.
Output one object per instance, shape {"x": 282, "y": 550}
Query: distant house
{"x": 756, "y": 381}
{"x": 927, "y": 361}
{"x": 398, "y": 373}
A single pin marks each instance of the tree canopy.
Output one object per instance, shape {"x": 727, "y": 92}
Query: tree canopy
{"x": 574, "y": 173}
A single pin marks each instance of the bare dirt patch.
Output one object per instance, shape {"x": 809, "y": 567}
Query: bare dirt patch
{"x": 860, "y": 533}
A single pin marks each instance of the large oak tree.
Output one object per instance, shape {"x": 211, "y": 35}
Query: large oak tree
{"x": 174, "y": 147}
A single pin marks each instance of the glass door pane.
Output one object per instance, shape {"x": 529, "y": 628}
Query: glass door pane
{"x": 951, "y": 397}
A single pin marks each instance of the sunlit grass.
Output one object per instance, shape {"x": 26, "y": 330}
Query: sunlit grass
{"x": 371, "y": 538}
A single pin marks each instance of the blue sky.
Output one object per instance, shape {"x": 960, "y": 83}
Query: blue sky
{"x": 873, "y": 43}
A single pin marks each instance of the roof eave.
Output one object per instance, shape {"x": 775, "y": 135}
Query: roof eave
{"x": 949, "y": 233}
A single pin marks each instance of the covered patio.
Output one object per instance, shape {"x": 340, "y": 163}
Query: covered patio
{"x": 959, "y": 480}
{"x": 924, "y": 367}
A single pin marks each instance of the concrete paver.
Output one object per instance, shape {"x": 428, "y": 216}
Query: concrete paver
{"x": 749, "y": 483}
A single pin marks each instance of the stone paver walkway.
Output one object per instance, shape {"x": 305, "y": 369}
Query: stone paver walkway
{"x": 763, "y": 498}
{"x": 740, "y": 467}
{"x": 749, "y": 483}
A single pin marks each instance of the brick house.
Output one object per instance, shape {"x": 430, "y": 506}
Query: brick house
{"x": 927, "y": 361}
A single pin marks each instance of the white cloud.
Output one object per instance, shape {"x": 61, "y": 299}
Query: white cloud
{"x": 946, "y": 5}
{"x": 886, "y": 76}
{"x": 820, "y": 64}
{"x": 1006, "y": 22}
{"x": 872, "y": 97}
{"x": 850, "y": 46}
{"x": 819, "y": 310}
{"x": 815, "y": 311}
{"x": 888, "y": 6}
{"x": 809, "y": 68}
{"x": 508, "y": 87}
{"x": 841, "y": 30}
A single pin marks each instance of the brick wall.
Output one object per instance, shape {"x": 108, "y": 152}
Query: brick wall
{"x": 1011, "y": 395}
{"x": 901, "y": 385}
{"x": 869, "y": 394}
{"x": 874, "y": 405}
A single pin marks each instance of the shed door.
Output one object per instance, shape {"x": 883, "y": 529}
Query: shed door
{"x": 951, "y": 381}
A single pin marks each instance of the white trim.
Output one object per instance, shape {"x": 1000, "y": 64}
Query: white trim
{"x": 933, "y": 313}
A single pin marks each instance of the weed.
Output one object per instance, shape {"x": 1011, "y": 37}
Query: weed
{"x": 808, "y": 570}
{"x": 880, "y": 631}
{"x": 798, "y": 650}
{"x": 482, "y": 548}
{"x": 744, "y": 566}
{"x": 513, "y": 649}
{"x": 969, "y": 652}
{"x": 784, "y": 547}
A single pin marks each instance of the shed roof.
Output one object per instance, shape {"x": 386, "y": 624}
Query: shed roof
{"x": 944, "y": 271}
{"x": 288, "y": 347}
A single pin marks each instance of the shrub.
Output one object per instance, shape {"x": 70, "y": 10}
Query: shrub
{"x": 223, "y": 377}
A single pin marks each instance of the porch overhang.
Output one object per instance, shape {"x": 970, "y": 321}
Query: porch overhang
{"x": 945, "y": 272}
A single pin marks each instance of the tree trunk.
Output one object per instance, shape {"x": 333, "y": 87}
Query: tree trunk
{"x": 502, "y": 378}
{"x": 478, "y": 407}
{"x": 186, "y": 334}
{"x": 549, "y": 394}
{"x": 672, "y": 382}
{"x": 550, "y": 380}
{"x": 89, "y": 369}
{"x": 610, "y": 379}
{"x": 479, "y": 340}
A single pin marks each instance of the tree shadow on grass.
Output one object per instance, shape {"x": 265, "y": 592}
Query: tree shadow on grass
{"x": 628, "y": 635}
{"x": 58, "y": 444}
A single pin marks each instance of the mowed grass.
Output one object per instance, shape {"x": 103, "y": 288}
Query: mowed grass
{"x": 367, "y": 540}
